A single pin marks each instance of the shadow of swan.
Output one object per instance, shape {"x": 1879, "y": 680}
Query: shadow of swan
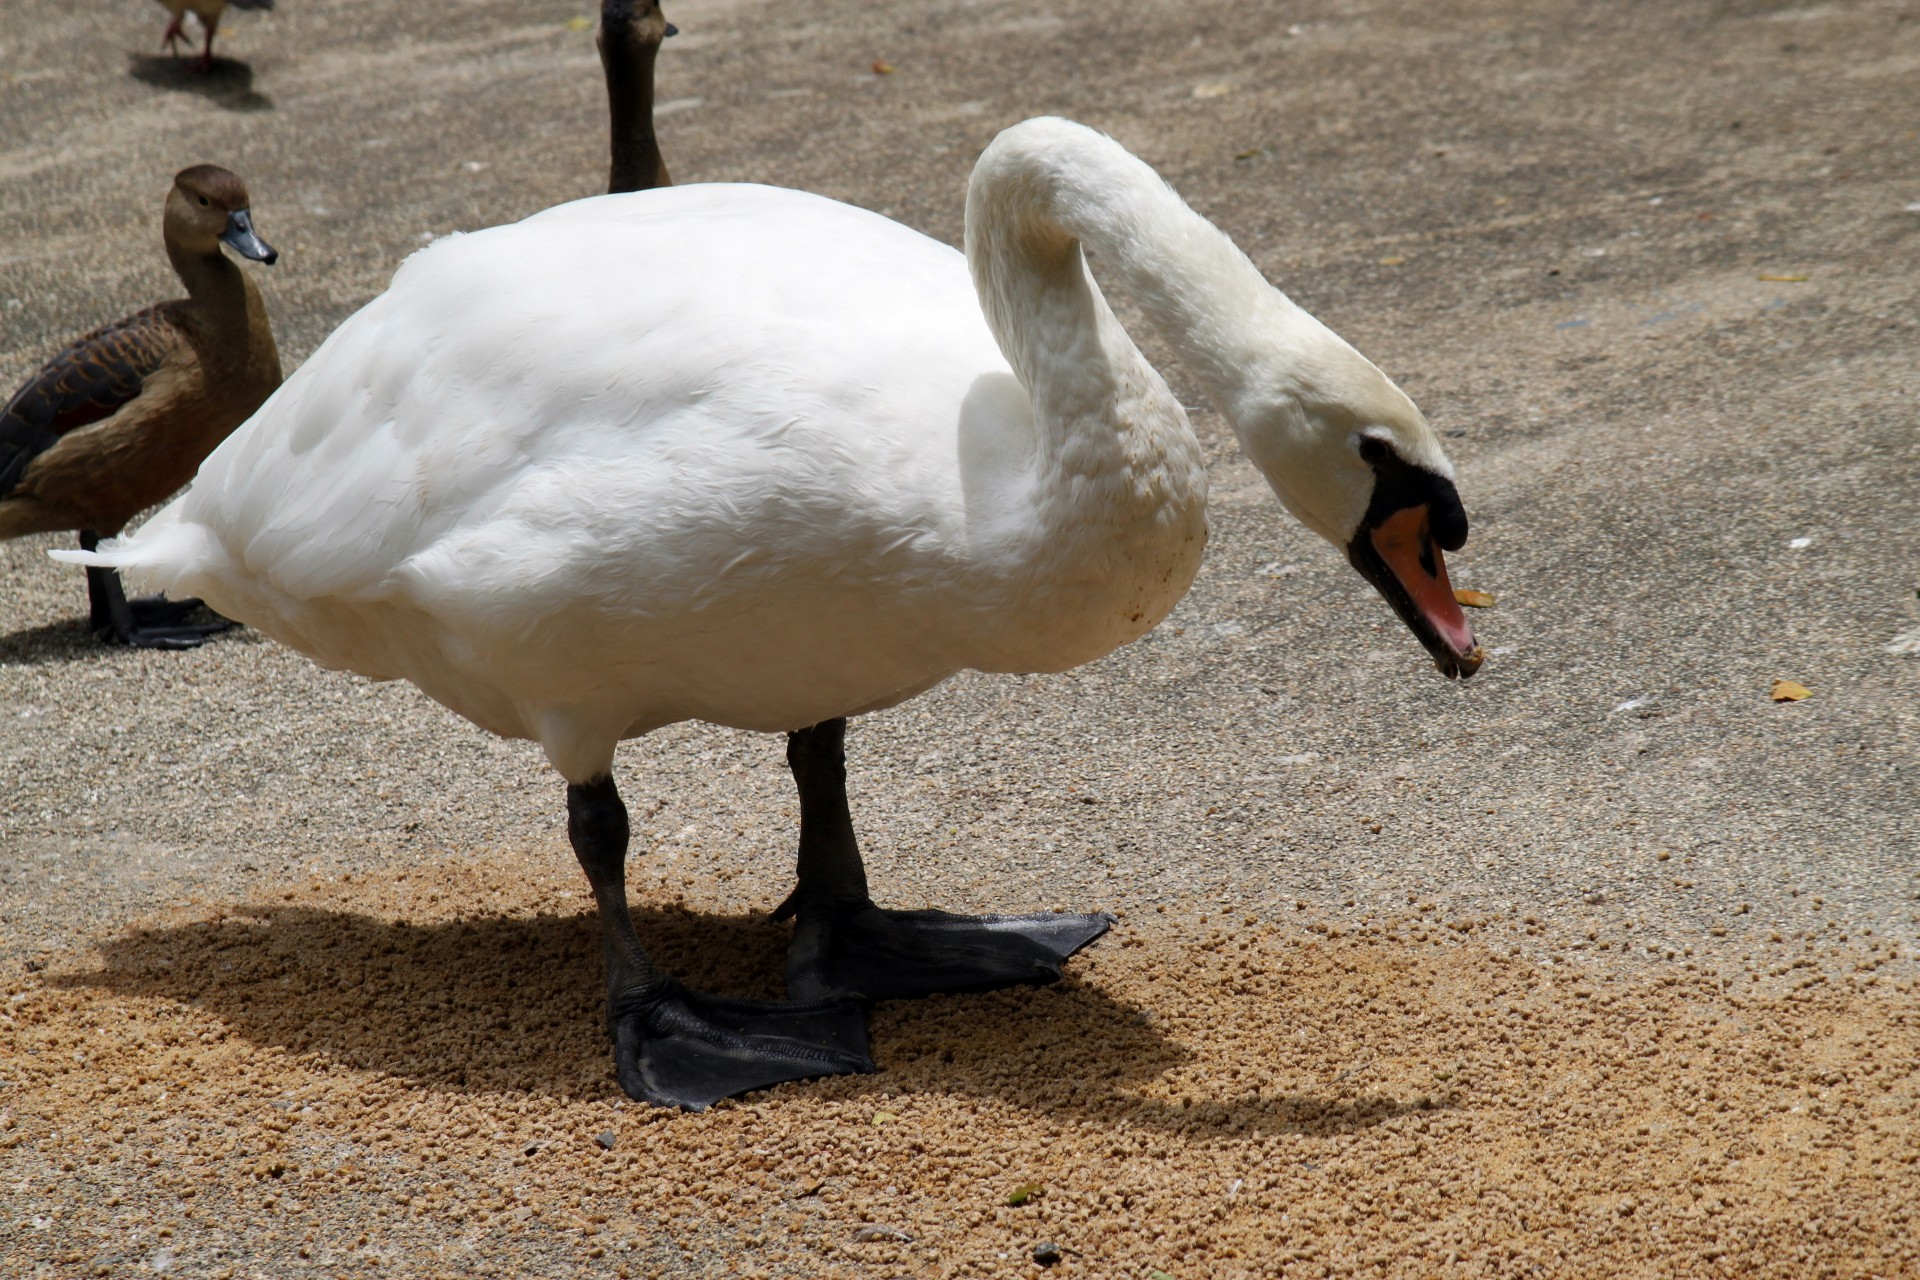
{"x": 497, "y": 1003}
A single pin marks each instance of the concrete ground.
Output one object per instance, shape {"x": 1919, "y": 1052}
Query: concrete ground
{"x": 1649, "y": 267}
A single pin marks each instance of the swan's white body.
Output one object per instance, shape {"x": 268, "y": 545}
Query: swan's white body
{"x": 754, "y": 457}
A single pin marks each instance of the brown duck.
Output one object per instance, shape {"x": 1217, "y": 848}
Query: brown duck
{"x": 208, "y": 12}
{"x": 629, "y": 39}
{"x": 124, "y": 416}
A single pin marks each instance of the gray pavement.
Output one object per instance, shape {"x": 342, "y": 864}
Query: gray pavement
{"x": 1651, "y": 268}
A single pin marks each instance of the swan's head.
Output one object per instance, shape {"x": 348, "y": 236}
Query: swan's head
{"x": 1355, "y": 461}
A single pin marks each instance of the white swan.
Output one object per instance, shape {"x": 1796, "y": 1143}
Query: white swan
{"x": 750, "y": 456}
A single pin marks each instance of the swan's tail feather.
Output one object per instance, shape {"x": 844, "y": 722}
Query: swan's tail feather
{"x": 164, "y": 555}
{"x": 183, "y": 557}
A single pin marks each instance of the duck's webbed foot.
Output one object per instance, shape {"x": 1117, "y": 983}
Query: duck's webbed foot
{"x": 157, "y": 623}
{"x": 860, "y": 950}
{"x": 151, "y": 622}
{"x": 675, "y": 1047}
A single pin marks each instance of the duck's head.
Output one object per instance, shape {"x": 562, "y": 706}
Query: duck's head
{"x": 208, "y": 207}
{"x": 1355, "y": 461}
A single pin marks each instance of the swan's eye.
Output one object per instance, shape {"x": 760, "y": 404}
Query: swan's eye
{"x": 1374, "y": 452}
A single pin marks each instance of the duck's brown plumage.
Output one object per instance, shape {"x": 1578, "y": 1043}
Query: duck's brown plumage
{"x": 83, "y": 384}
{"x": 87, "y": 383}
{"x": 124, "y": 416}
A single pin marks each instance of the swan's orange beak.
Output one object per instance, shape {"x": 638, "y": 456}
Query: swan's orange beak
{"x": 1399, "y": 556}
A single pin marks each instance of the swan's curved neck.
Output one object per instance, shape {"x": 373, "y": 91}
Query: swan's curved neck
{"x": 1035, "y": 199}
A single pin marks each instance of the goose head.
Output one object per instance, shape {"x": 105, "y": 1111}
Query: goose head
{"x": 1351, "y": 456}
{"x": 208, "y": 207}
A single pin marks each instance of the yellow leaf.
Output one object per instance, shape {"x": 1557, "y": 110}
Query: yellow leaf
{"x": 579, "y": 24}
{"x": 1784, "y": 279}
{"x": 1024, "y": 1192}
{"x": 882, "y": 67}
{"x": 884, "y": 1117}
{"x": 1473, "y": 599}
{"x": 1790, "y": 691}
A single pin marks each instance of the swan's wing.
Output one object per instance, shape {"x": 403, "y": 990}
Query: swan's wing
{"x": 667, "y": 384}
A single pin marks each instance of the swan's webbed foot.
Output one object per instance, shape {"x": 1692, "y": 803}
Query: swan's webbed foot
{"x": 845, "y": 946}
{"x": 675, "y": 1047}
{"x": 862, "y": 951}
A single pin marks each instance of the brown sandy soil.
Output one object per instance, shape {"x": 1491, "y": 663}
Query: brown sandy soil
{"x": 308, "y": 1080}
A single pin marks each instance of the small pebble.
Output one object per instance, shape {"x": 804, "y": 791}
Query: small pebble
{"x": 873, "y": 1232}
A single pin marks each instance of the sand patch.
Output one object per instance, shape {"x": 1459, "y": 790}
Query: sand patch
{"x": 369, "y": 1076}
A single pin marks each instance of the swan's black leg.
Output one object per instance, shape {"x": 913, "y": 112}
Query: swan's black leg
{"x": 843, "y": 945}
{"x": 152, "y": 622}
{"x": 679, "y": 1048}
